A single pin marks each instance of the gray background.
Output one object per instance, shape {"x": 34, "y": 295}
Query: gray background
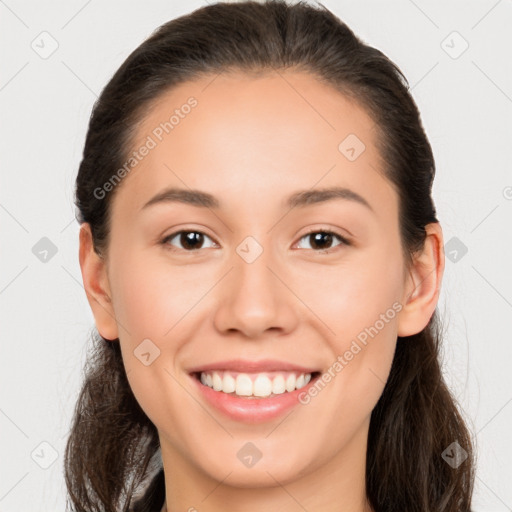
{"x": 466, "y": 102}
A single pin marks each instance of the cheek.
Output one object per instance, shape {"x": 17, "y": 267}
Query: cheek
{"x": 352, "y": 295}
{"x": 151, "y": 297}
{"x": 155, "y": 302}
{"x": 357, "y": 303}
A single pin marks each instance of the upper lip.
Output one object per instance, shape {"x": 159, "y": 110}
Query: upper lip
{"x": 245, "y": 365}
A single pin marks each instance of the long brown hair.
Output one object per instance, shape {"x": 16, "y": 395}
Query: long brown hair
{"x": 112, "y": 442}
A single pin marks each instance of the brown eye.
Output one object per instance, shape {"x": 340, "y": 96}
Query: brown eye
{"x": 322, "y": 240}
{"x": 189, "y": 240}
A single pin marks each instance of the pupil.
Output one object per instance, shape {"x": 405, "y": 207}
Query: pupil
{"x": 187, "y": 239}
{"x": 318, "y": 236}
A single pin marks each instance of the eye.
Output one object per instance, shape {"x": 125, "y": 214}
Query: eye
{"x": 191, "y": 240}
{"x": 322, "y": 239}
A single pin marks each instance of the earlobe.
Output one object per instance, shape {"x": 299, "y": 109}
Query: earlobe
{"x": 423, "y": 284}
{"x": 97, "y": 289}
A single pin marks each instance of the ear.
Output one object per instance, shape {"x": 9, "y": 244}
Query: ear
{"x": 97, "y": 289}
{"x": 423, "y": 284}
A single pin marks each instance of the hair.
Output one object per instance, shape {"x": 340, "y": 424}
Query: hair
{"x": 112, "y": 443}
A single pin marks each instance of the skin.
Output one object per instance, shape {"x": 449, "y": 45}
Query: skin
{"x": 251, "y": 142}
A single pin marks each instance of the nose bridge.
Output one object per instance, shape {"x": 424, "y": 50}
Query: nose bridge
{"x": 255, "y": 300}
{"x": 254, "y": 257}
{"x": 254, "y": 282}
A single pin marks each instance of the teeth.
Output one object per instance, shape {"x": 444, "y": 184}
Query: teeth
{"x": 290, "y": 382}
{"x": 228, "y": 383}
{"x": 262, "y": 386}
{"x": 244, "y": 385}
{"x": 278, "y": 385}
{"x": 217, "y": 382}
{"x": 259, "y": 385}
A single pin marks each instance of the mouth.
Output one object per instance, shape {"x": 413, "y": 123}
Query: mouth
{"x": 254, "y": 385}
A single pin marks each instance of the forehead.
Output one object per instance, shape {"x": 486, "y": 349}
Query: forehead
{"x": 257, "y": 136}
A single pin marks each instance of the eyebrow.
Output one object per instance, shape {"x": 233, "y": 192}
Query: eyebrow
{"x": 298, "y": 199}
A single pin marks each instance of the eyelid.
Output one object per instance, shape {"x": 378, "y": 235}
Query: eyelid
{"x": 325, "y": 229}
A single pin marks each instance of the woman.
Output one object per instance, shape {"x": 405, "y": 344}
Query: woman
{"x": 262, "y": 257}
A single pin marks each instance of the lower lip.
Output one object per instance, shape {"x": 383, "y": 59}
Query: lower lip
{"x": 252, "y": 410}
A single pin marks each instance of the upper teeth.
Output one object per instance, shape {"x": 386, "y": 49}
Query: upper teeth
{"x": 258, "y": 384}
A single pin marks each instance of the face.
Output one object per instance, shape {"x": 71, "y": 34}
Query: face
{"x": 315, "y": 283}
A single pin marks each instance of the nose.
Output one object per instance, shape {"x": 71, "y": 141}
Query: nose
{"x": 256, "y": 298}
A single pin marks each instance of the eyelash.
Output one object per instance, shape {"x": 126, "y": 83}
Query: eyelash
{"x": 342, "y": 239}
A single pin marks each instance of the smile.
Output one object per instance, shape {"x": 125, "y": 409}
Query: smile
{"x": 243, "y": 404}
{"x": 256, "y": 385}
